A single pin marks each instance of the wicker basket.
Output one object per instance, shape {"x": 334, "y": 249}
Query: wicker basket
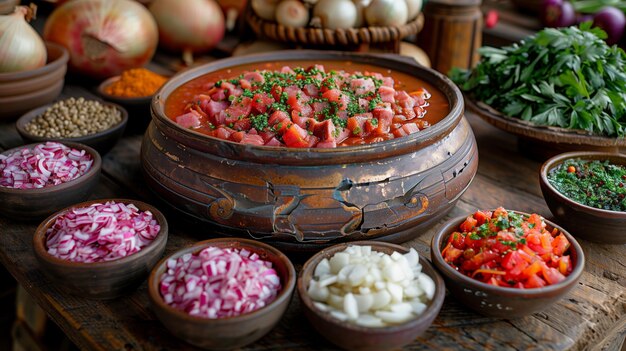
{"x": 384, "y": 36}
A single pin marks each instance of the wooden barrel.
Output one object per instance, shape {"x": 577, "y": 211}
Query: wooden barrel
{"x": 452, "y": 33}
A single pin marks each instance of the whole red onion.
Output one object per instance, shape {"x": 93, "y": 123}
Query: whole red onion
{"x": 613, "y": 21}
{"x": 558, "y": 13}
{"x": 104, "y": 37}
{"x": 189, "y": 26}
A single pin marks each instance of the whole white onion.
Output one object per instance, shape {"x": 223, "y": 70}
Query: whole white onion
{"x": 190, "y": 25}
{"x": 104, "y": 37}
{"x": 266, "y": 9}
{"x": 336, "y": 14}
{"x": 21, "y": 48}
{"x": 292, "y": 13}
{"x": 414, "y": 8}
{"x": 387, "y": 13}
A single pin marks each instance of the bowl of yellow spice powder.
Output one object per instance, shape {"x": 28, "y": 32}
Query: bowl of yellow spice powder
{"x": 133, "y": 90}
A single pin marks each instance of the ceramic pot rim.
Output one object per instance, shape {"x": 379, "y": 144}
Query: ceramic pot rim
{"x": 285, "y": 155}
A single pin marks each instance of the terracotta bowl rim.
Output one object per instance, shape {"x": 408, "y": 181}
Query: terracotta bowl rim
{"x": 93, "y": 171}
{"x": 285, "y": 293}
{"x": 49, "y": 66}
{"x": 447, "y": 123}
{"x": 56, "y": 85}
{"x": 433, "y": 306}
{"x": 21, "y": 123}
{"x": 27, "y": 84}
{"x": 40, "y": 235}
{"x": 446, "y": 269}
{"x": 553, "y": 162}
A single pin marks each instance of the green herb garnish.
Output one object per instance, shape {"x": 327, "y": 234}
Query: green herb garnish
{"x": 598, "y": 184}
{"x": 566, "y": 77}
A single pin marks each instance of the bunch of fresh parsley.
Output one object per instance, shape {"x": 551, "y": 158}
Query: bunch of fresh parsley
{"x": 566, "y": 77}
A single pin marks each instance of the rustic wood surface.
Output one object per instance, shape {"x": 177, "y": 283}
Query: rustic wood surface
{"x": 592, "y": 316}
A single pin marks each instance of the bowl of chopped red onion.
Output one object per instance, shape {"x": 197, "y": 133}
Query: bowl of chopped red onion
{"x": 39, "y": 179}
{"x": 101, "y": 248}
{"x": 222, "y": 293}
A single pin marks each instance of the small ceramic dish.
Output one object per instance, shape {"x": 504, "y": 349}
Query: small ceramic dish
{"x": 102, "y": 141}
{"x": 142, "y": 100}
{"x": 138, "y": 107}
{"x": 101, "y": 280}
{"x": 354, "y": 337}
{"x": 586, "y": 222}
{"x": 25, "y": 90}
{"x": 30, "y": 204}
{"x": 232, "y": 332}
{"x": 503, "y": 302}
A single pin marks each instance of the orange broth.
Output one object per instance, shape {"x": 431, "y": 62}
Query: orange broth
{"x": 438, "y": 104}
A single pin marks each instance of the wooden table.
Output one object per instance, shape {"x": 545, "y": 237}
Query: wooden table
{"x": 592, "y": 316}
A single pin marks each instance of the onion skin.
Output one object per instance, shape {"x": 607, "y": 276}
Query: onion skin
{"x": 414, "y": 7}
{"x": 127, "y": 37}
{"x": 21, "y": 48}
{"x": 198, "y": 26}
{"x": 558, "y": 13}
{"x": 335, "y": 14}
{"x": 387, "y": 13}
{"x": 292, "y": 13}
{"x": 612, "y": 21}
{"x": 232, "y": 10}
{"x": 266, "y": 9}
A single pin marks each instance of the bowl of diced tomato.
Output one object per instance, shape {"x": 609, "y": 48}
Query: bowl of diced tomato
{"x": 506, "y": 264}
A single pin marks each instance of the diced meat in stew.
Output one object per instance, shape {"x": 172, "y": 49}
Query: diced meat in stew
{"x": 303, "y": 108}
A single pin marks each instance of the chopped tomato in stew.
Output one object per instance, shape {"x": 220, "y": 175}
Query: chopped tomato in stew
{"x": 305, "y": 108}
{"x": 507, "y": 249}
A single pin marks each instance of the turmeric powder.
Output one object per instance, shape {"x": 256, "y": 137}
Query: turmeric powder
{"x": 136, "y": 82}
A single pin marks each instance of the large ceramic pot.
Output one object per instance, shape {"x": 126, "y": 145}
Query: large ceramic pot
{"x": 303, "y": 199}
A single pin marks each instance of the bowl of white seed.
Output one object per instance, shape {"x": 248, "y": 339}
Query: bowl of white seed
{"x": 94, "y": 123}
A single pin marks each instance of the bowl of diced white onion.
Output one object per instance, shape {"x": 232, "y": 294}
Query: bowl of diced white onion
{"x": 369, "y": 295}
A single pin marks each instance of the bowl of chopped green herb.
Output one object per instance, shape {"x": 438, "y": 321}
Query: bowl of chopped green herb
{"x": 586, "y": 192}
{"x": 559, "y": 90}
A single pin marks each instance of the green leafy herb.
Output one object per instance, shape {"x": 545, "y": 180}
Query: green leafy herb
{"x": 566, "y": 77}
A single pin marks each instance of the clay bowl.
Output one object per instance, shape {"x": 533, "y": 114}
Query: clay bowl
{"x": 138, "y": 107}
{"x": 23, "y": 91}
{"x": 225, "y": 333}
{"x": 306, "y": 199}
{"x": 101, "y": 280}
{"x": 542, "y": 142}
{"x": 502, "y": 302}
{"x": 102, "y": 141}
{"x": 31, "y": 204}
{"x": 586, "y": 222}
{"x": 354, "y": 337}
